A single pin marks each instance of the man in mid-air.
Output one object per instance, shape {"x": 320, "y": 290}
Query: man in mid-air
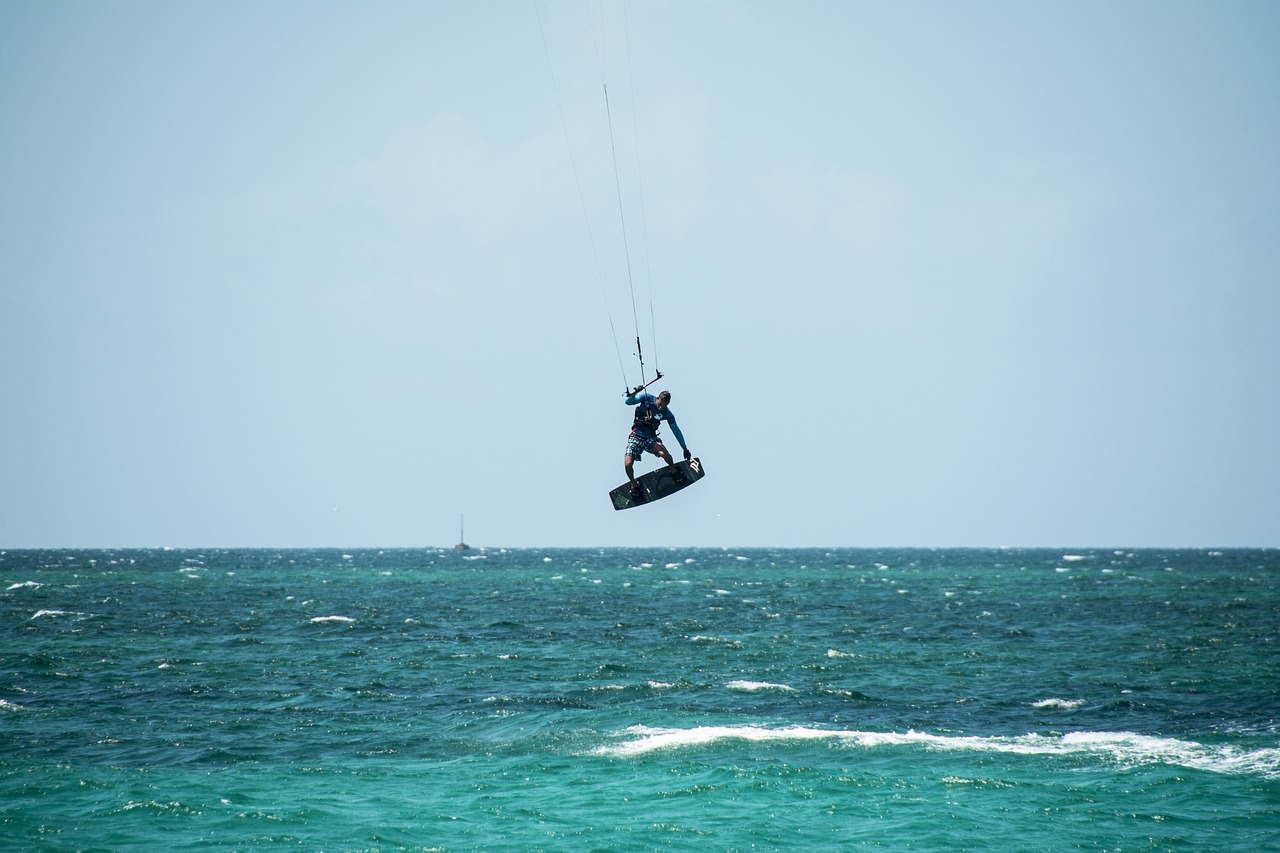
{"x": 650, "y": 412}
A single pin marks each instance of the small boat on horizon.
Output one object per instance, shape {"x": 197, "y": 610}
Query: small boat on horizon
{"x": 462, "y": 539}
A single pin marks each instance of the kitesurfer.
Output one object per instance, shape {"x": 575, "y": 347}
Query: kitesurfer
{"x": 650, "y": 412}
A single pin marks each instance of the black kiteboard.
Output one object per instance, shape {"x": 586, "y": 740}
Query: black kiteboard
{"x": 657, "y": 484}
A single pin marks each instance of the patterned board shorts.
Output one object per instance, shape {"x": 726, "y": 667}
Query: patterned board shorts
{"x": 640, "y": 442}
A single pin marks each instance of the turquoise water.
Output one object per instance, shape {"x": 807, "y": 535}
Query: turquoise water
{"x": 686, "y": 699}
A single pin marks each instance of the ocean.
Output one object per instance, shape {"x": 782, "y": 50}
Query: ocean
{"x": 640, "y": 699}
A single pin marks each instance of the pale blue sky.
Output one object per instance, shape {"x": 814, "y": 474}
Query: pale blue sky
{"x": 306, "y": 273}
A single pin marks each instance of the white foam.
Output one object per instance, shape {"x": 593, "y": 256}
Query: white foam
{"x": 1074, "y": 558}
{"x": 704, "y": 638}
{"x": 25, "y": 585}
{"x": 757, "y": 685}
{"x": 1059, "y": 704}
{"x": 653, "y": 738}
{"x": 6, "y": 705}
{"x": 43, "y": 613}
{"x": 1124, "y": 748}
{"x": 1129, "y": 748}
{"x": 322, "y": 619}
{"x": 980, "y": 783}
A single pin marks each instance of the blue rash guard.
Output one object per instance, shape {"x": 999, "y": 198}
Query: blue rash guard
{"x": 648, "y": 418}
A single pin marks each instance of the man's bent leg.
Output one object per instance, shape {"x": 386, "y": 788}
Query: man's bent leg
{"x": 661, "y": 449}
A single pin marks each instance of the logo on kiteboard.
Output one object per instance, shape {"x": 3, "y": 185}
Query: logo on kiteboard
{"x": 695, "y": 467}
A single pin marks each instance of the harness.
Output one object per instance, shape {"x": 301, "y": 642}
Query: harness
{"x": 647, "y": 418}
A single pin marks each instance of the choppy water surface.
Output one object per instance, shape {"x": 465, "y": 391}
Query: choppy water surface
{"x": 640, "y": 699}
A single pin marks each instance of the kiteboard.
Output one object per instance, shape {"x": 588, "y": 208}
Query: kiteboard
{"x": 657, "y": 484}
